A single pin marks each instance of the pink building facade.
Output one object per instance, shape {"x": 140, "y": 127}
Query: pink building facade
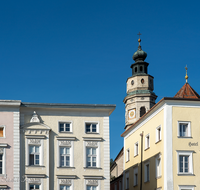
{"x": 9, "y": 144}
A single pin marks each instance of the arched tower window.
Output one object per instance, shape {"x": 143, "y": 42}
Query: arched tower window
{"x": 135, "y": 69}
{"x": 142, "y": 111}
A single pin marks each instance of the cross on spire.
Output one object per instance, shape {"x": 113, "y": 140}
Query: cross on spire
{"x": 186, "y": 76}
{"x": 139, "y": 34}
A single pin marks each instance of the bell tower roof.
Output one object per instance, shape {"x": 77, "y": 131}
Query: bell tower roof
{"x": 139, "y": 55}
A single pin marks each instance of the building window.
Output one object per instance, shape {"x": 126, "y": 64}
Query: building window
{"x": 142, "y": 110}
{"x": 90, "y": 187}
{"x": 120, "y": 185}
{"x": 115, "y": 186}
{"x": 146, "y": 172}
{"x": 65, "y": 127}
{"x": 34, "y": 155}
{"x": 1, "y": 163}
{"x": 136, "y": 149}
{"x": 2, "y": 131}
{"x": 127, "y": 154}
{"x": 64, "y": 156}
{"x": 185, "y": 162}
{"x": 33, "y": 186}
{"x": 158, "y": 166}
{"x": 91, "y": 157}
{"x": 184, "y": 129}
{"x": 186, "y": 187}
{"x": 127, "y": 180}
{"x": 158, "y": 134}
{"x": 147, "y": 141}
{"x": 135, "y": 177}
{"x": 91, "y": 127}
{"x": 64, "y": 187}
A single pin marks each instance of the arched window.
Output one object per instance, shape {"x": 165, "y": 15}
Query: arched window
{"x": 142, "y": 111}
{"x": 135, "y": 69}
{"x": 141, "y": 69}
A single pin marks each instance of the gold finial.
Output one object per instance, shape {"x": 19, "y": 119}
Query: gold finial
{"x": 186, "y": 76}
{"x": 139, "y": 40}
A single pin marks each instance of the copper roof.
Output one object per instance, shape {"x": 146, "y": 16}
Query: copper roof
{"x": 187, "y": 92}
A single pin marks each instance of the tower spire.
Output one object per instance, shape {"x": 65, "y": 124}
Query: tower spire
{"x": 186, "y": 76}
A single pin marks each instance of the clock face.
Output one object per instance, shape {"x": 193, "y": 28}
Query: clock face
{"x": 131, "y": 114}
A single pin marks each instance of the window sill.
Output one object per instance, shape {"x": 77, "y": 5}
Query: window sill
{"x": 35, "y": 166}
{"x": 158, "y": 141}
{"x": 135, "y": 185}
{"x": 136, "y": 155}
{"x": 184, "y": 137}
{"x": 147, "y": 181}
{"x": 158, "y": 177}
{"x": 185, "y": 174}
{"x": 92, "y": 168}
{"x": 127, "y": 161}
{"x": 146, "y": 148}
{"x": 92, "y": 133}
{"x": 65, "y": 167}
{"x": 2, "y": 175}
{"x": 68, "y": 132}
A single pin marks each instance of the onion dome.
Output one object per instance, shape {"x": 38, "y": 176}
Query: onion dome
{"x": 139, "y": 55}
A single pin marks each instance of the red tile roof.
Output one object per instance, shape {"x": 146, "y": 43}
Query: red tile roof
{"x": 187, "y": 92}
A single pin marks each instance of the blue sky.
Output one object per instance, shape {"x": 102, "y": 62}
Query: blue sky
{"x": 81, "y": 51}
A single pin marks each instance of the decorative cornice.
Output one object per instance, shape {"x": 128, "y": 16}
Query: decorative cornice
{"x": 35, "y": 175}
{"x": 93, "y": 177}
{"x": 35, "y": 136}
{"x": 66, "y": 138}
{"x": 92, "y": 139}
{"x": 66, "y": 176}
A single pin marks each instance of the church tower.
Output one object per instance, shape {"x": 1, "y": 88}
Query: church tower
{"x": 140, "y": 96}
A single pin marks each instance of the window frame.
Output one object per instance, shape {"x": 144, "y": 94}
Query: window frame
{"x": 127, "y": 180}
{"x": 3, "y": 153}
{"x": 188, "y": 123}
{"x": 158, "y": 134}
{"x": 34, "y": 185}
{"x": 147, "y": 141}
{"x": 186, "y": 187}
{"x": 190, "y": 164}
{"x": 136, "y": 149}
{"x": 4, "y": 131}
{"x": 65, "y": 122}
{"x": 158, "y": 170}
{"x": 87, "y": 143}
{"x": 146, "y": 172}
{"x": 92, "y": 123}
{"x": 34, "y": 155}
{"x": 135, "y": 180}
{"x": 65, "y": 143}
{"x": 65, "y": 155}
{"x": 127, "y": 154}
{"x": 91, "y": 156}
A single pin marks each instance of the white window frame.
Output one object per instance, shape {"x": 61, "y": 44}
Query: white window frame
{"x": 136, "y": 148}
{"x": 4, "y": 131}
{"x": 186, "y": 187}
{"x": 91, "y": 156}
{"x": 127, "y": 154}
{"x": 35, "y": 154}
{"x": 188, "y": 123}
{"x": 146, "y": 173}
{"x": 127, "y": 180}
{"x": 3, "y": 153}
{"x": 92, "y": 144}
{"x": 96, "y": 183}
{"x": 190, "y": 165}
{"x": 158, "y": 134}
{"x": 32, "y": 181}
{"x": 147, "y": 141}
{"x": 34, "y": 184}
{"x": 91, "y": 123}
{"x": 135, "y": 180}
{"x": 65, "y": 155}
{"x": 68, "y": 181}
{"x": 71, "y": 154}
{"x": 41, "y": 149}
{"x": 158, "y": 166}
{"x": 65, "y": 122}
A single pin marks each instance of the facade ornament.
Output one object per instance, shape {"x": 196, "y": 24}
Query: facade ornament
{"x": 34, "y": 118}
{"x": 186, "y": 76}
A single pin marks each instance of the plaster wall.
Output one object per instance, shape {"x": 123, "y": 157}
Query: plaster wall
{"x": 188, "y": 114}
{"x": 148, "y": 126}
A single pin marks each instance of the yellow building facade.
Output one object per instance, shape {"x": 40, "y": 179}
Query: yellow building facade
{"x": 162, "y": 148}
